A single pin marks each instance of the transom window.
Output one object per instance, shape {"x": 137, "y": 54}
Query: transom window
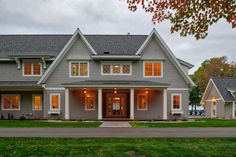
{"x": 142, "y": 101}
{"x": 79, "y": 69}
{"x": 32, "y": 69}
{"x": 10, "y": 102}
{"x": 90, "y": 101}
{"x": 54, "y": 101}
{"x": 116, "y": 69}
{"x": 153, "y": 69}
{"x": 37, "y": 102}
{"x": 176, "y": 101}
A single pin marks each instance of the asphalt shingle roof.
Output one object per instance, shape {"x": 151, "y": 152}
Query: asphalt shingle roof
{"x": 52, "y": 44}
{"x": 224, "y": 84}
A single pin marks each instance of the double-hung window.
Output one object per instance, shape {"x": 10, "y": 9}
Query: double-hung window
{"x": 55, "y": 102}
{"x": 142, "y": 101}
{"x": 116, "y": 69}
{"x": 37, "y": 102}
{"x": 176, "y": 102}
{"x": 152, "y": 69}
{"x": 32, "y": 69}
{"x": 79, "y": 69}
{"x": 11, "y": 102}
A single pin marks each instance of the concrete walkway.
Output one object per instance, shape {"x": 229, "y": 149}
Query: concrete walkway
{"x": 116, "y": 124}
{"x": 117, "y": 132}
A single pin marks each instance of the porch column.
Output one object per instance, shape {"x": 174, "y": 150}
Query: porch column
{"x": 233, "y": 113}
{"x": 67, "y": 112}
{"x": 99, "y": 104}
{"x": 132, "y": 104}
{"x": 165, "y": 104}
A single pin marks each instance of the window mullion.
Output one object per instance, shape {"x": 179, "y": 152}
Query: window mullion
{"x": 79, "y": 68}
{"x": 32, "y": 68}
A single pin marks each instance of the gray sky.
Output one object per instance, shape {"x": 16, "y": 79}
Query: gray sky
{"x": 110, "y": 17}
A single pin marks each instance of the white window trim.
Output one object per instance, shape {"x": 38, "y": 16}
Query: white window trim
{"x": 2, "y": 105}
{"x": 41, "y": 99}
{"x": 172, "y": 104}
{"x": 213, "y": 116}
{"x": 59, "y": 101}
{"x": 153, "y": 69}
{"x": 121, "y": 70}
{"x": 139, "y": 109}
{"x": 32, "y": 69}
{"x": 85, "y": 106}
{"x": 78, "y": 62}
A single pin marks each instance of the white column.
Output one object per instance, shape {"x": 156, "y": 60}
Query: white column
{"x": 132, "y": 104}
{"x": 67, "y": 112}
{"x": 165, "y": 104}
{"x": 99, "y": 104}
{"x": 233, "y": 113}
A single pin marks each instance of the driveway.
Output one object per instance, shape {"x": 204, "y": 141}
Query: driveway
{"x": 117, "y": 132}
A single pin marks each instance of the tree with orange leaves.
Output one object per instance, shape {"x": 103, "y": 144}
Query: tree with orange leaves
{"x": 189, "y": 17}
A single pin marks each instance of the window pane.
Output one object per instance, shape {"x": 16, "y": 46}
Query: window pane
{"x": 89, "y": 102}
{"x": 37, "y": 68}
{"x": 142, "y": 102}
{"x": 37, "y": 102}
{"x": 176, "y": 102}
{"x": 74, "y": 69}
{"x": 6, "y": 102}
{"x": 126, "y": 69}
{"x": 55, "y": 102}
{"x": 157, "y": 69}
{"x": 148, "y": 69}
{"x": 116, "y": 69}
{"x": 106, "y": 69}
{"x": 27, "y": 69}
{"x": 83, "y": 69}
{"x": 15, "y": 102}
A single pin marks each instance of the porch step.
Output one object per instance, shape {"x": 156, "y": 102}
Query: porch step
{"x": 113, "y": 124}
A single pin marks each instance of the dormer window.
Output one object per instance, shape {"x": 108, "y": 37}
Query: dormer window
{"x": 79, "y": 69}
{"x": 32, "y": 69}
{"x": 152, "y": 69}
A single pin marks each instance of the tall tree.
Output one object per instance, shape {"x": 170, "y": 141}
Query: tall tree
{"x": 212, "y": 68}
{"x": 189, "y": 17}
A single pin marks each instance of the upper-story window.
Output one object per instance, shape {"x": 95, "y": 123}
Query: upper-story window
{"x": 79, "y": 69}
{"x": 32, "y": 69}
{"x": 116, "y": 69}
{"x": 153, "y": 69}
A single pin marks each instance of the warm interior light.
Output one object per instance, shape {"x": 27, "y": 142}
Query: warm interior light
{"x": 146, "y": 91}
{"x": 85, "y": 91}
{"x": 115, "y": 90}
{"x": 213, "y": 99}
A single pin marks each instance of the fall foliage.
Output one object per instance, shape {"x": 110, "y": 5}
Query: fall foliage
{"x": 212, "y": 68}
{"x": 189, "y": 17}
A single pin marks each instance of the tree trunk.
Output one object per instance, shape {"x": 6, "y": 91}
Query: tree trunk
{"x": 195, "y": 112}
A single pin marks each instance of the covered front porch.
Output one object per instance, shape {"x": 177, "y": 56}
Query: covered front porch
{"x": 116, "y": 101}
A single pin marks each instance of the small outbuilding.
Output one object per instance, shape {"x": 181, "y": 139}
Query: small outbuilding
{"x": 219, "y": 98}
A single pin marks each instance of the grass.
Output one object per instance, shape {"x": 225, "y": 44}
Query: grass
{"x": 34, "y": 123}
{"x": 203, "y": 122}
{"x": 118, "y": 147}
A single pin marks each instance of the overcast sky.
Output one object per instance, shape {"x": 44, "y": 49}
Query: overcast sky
{"x": 110, "y": 17}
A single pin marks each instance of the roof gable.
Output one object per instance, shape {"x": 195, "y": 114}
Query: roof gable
{"x": 168, "y": 52}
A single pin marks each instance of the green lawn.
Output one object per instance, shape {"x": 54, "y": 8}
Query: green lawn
{"x": 203, "y": 122}
{"x": 33, "y": 123}
{"x": 119, "y": 147}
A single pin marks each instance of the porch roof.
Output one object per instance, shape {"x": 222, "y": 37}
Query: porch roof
{"x": 19, "y": 85}
{"x": 115, "y": 84}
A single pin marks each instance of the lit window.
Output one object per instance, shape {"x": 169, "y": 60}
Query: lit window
{"x": 11, "y": 102}
{"x": 55, "y": 102}
{"x": 176, "y": 102}
{"x": 152, "y": 69}
{"x": 78, "y": 69}
{"x": 32, "y": 69}
{"x": 106, "y": 69}
{"x": 116, "y": 69}
{"x": 90, "y": 101}
{"x": 37, "y": 102}
{"x": 142, "y": 101}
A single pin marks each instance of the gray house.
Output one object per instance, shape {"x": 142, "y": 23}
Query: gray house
{"x": 92, "y": 77}
{"x": 219, "y": 98}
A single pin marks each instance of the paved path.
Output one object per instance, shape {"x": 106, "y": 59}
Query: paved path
{"x": 117, "y": 132}
{"x": 117, "y": 124}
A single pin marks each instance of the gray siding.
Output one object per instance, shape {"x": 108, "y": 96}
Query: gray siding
{"x": 228, "y": 110}
{"x": 25, "y": 106}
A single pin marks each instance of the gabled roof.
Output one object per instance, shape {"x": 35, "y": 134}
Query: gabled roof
{"x": 225, "y": 85}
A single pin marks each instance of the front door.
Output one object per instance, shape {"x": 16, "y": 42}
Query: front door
{"x": 116, "y": 105}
